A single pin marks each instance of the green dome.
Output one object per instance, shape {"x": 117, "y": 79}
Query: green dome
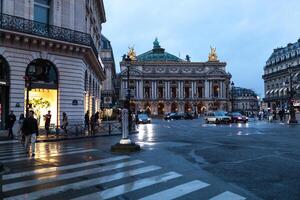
{"x": 158, "y": 54}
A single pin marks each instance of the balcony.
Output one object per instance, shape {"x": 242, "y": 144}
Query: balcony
{"x": 22, "y": 25}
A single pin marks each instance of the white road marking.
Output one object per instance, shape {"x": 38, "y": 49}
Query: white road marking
{"x": 56, "y": 177}
{"x": 46, "y": 156}
{"x": 129, "y": 187}
{"x": 228, "y": 195}
{"x": 177, "y": 191}
{"x": 8, "y": 141}
{"x": 82, "y": 184}
{"x": 66, "y": 167}
{"x": 37, "y": 153}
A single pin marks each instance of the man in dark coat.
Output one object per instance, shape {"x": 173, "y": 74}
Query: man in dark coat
{"x": 87, "y": 120}
{"x": 30, "y": 130}
{"x": 47, "y": 122}
{"x": 10, "y": 124}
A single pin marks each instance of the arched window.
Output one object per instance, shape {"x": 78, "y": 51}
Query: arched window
{"x": 3, "y": 69}
{"x": 216, "y": 91}
{"x": 43, "y": 74}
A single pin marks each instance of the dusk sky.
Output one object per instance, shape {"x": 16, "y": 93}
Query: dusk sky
{"x": 245, "y": 32}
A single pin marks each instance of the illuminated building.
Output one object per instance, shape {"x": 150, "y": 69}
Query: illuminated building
{"x": 56, "y": 44}
{"x": 161, "y": 82}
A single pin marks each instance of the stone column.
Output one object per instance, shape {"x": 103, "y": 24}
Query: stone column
{"x": 141, "y": 89}
{"x": 137, "y": 89}
{"x": 206, "y": 89}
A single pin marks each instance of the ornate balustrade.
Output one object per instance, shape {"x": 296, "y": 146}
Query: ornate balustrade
{"x": 22, "y": 25}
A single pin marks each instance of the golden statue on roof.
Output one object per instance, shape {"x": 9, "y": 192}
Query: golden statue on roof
{"x": 212, "y": 57}
{"x": 131, "y": 53}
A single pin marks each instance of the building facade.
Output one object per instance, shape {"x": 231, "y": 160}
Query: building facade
{"x": 161, "y": 82}
{"x": 107, "y": 56}
{"x": 282, "y": 75}
{"x": 245, "y": 101}
{"x": 53, "y": 45}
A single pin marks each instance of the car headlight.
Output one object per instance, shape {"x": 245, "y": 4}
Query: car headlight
{"x": 239, "y": 118}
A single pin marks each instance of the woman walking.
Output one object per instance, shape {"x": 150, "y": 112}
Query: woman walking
{"x": 65, "y": 123}
{"x": 21, "y": 136}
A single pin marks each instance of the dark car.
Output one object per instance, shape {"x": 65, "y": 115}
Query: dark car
{"x": 143, "y": 119}
{"x": 237, "y": 117}
{"x": 173, "y": 116}
{"x": 188, "y": 116}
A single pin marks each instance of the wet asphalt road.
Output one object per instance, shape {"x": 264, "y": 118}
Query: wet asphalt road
{"x": 260, "y": 157}
{"x": 179, "y": 159}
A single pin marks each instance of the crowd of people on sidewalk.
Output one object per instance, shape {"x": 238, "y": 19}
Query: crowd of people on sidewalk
{"x": 28, "y": 129}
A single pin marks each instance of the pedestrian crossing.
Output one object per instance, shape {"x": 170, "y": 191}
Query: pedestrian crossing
{"x": 102, "y": 178}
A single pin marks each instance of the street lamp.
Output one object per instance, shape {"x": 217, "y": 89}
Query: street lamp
{"x": 232, "y": 96}
{"x": 291, "y": 92}
{"x": 28, "y": 83}
{"x": 127, "y": 103}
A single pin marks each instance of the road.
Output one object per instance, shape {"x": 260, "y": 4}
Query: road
{"x": 184, "y": 159}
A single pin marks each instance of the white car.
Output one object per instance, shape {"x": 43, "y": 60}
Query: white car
{"x": 217, "y": 117}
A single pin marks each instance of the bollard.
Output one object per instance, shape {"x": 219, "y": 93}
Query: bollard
{"x": 109, "y": 128}
{"x": 125, "y": 145}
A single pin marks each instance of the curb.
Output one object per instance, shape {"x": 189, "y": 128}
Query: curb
{"x": 80, "y": 137}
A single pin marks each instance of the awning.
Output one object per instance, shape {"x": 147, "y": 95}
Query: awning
{"x": 281, "y": 89}
{"x": 276, "y": 90}
{"x": 297, "y": 74}
{"x": 268, "y": 91}
{"x": 298, "y": 86}
{"x": 285, "y": 89}
{"x": 271, "y": 92}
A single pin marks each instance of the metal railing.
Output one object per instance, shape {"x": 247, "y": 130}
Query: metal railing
{"x": 103, "y": 128}
{"x": 22, "y": 25}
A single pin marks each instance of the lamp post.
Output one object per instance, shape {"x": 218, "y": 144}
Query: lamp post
{"x": 127, "y": 104}
{"x": 28, "y": 81}
{"x": 126, "y": 145}
{"x": 291, "y": 92}
{"x": 232, "y": 96}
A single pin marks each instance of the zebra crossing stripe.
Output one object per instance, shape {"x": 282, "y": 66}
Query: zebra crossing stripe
{"x": 52, "y": 155}
{"x": 83, "y": 184}
{"x": 36, "y": 152}
{"x": 50, "y": 178}
{"x": 228, "y": 195}
{"x": 129, "y": 187}
{"x": 66, "y": 167}
{"x": 177, "y": 191}
{"x": 8, "y": 141}
{"x": 17, "y": 149}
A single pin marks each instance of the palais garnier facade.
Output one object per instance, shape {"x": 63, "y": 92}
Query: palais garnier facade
{"x": 161, "y": 82}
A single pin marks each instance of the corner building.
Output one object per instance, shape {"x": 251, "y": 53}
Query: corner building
{"x": 161, "y": 82}
{"x": 282, "y": 67}
{"x": 57, "y": 44}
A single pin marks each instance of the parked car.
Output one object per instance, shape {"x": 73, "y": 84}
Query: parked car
{"x": 237, "y": 117}
{"x": 143, "y": 119}
{"x": 173, "y": 116}
{"x": 217, "y": 117}
{"x": 188, "y": 116}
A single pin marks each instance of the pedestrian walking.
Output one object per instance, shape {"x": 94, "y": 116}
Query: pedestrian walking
{"x": 11, "y": 122}
{"x": 87, "y": 120}
{"x": 21, "y": 136}
{"x": 47, "y": 118}
{"x": 280, "y": 115}
{"x": 92, "y": 124}
{"x": 30, "y": 130}
{"x": 65, "y": 123}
